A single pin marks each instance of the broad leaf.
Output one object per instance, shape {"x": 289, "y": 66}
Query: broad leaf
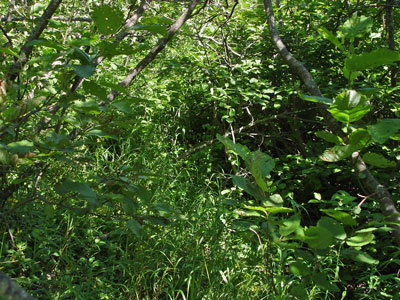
{"x": 316, "y": 99}
{"x": 360, "y": 239}
{"x": 349, "y": 106}
{"x": 371, "y": 59}
{"x": 318, "y": 237}
{"x": 84, "y": 71}
{"x": 384, "y": 129}
{"x": 356, "y": 26}
{"x": 378, "y": 160}
{"x": 83, "y": 189}
{"x": 290, "y": 225}
{"x": 322, "y": 282}
{"x": 360, "y": 139}
{"x": 329, "y": 137}
{"x": 135, "y": 227}
{"x": 333, "y": 226}
{"x": 251, "y": 188}
{"x": 299, "y": 268}
{"x": 239, "y": 149}
{"x": 20, "y": 147}
{"x": 341, "y": 216}
{"x": 260, "y": 166}
{"x": 331, "y": 37}
{"x": 359, "y": 256}
{"x": 107, "y": 19}
{"x": 93, "y": 88}
{"x": 338, "y": 153}
{"x": 153, "y": 28}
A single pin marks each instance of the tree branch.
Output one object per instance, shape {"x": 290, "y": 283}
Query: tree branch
{"x": 371, "y": 184}
{"x": 156, "y": 49}
{"x": 26, "y": 49}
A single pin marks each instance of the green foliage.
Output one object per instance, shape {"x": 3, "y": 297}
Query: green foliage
{"x": 90, "y": 188}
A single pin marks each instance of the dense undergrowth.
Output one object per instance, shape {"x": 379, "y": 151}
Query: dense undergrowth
{"x": 209, "y": 176}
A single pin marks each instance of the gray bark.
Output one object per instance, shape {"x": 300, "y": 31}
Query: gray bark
{"x": 9, "y": 290}
{"x": 368, "y": 181}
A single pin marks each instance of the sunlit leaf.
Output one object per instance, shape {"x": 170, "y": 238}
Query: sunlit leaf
{"x": 316, "y": 99}
{"x": 333, "y": 226}
{"x": 331, "y": 37}
{"x": 329, "y": 137}
{"x": 356, "y": 26}
{"x": 107, "y": 19}
{"x": 341, "y": 216}
{"x": 360, "y": 239}
{"x": 290, "y": 225}
{"x": 359, "y": 256}
{"x": 375, "y": 58}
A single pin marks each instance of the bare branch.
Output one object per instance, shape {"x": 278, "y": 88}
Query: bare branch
{"x": 370, "y": 183}
{"x": 26, "y": 49}
{"x": 156, "y": 49}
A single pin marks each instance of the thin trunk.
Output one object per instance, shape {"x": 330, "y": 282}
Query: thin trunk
{"x": 391, "y": 43}
{"x": 368, "y": 181}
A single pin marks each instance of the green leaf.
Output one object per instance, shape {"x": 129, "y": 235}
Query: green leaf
{"x": 116, "y": 87}
{"x": 329, "y": 137}
{"x": 299, "y": 291}
{"x": 318, "y": 237}
{"x": 384, "y": 129}
{"x": 378, "y": 160}
{"x": 290, "y": 225}
{"x": 298, "y": 268}
{"x": 274, "y": 200}
{"x": 153, "y": 28}
{"x": 239, "y": 149}
{"x": 316, "y": 99}
{"x": 338, "y": 153}
{"x": 260, "y": 166}
{"x": 349, "y": 106}
{"x": 331, "y": 37}
{"x": 241, "y": 225}
{"x": 135, "y": 227}
{"x": 360, "y": 139}
{"x": 84, "y": 71}
{"x": 37, "y": 7}
{"x": 356, "y": 26}
{"x": 360, "y": 239}
{"x": 368, "y": 91}
{"x": 333, "y": 226}
{"x": 341, "y": 216}
{"x": 250, "y": 188}
{"x": 107, "y": 19}
{"x": 90, "y": 107}
{"x": 322, "y": 282}
{"x": 371, "y": 59}
{"x": 21, "y": 147}
{"x": 100, "y": 133}
{"x": 359, "y": 256}
{"x": 46, "y": 43}
{"x": 9, "y": 51}
{"x": 83, "y": 189}
{"x": 269, "y": 209}
{"x": 80, "y": 55}
{"x": 93, "y": 88}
